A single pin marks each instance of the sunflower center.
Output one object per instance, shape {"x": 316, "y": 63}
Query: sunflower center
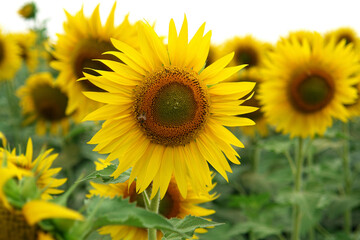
{"x": 170, "y": 204}
{"x": 14, "y": 226}
{"x": 2, "y": 51}
{"x": 24, "y": 53}
{"x": 85, "y": 53}
{"x": 311, "y": 93}
{"x": 247, "y": 56}
{"x": 50, "y": 103}
{"x": 171, "y": 106}
{"x": 174, "y": 105}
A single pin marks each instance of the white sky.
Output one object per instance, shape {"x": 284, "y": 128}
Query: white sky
{"x": 264, "y": 19}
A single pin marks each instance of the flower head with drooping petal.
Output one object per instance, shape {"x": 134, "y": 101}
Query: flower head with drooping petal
{"x": 165, "y": 113}
{"x": 24, "y": 187}
{"x": 40, "y": 166}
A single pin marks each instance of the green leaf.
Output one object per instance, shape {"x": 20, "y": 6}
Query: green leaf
{"x": 187, "y": 226}
{"x": 118, "y": 211}
{"x": 259, "y": 229}
{"x": 277, "y": 144}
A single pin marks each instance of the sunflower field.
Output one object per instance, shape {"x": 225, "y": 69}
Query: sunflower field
{"x": 113, "y": 131}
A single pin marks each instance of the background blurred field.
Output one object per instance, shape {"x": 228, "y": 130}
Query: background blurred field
{"x": 256, "y": 203}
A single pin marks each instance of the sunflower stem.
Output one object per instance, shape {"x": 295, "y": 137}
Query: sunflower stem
{"x": 347, "y": 175}
{"x": 154, "y": 207}
{"x": 256, "y": 154}
{"x": 146, "y": 199}
{"x": 297, "y": 215}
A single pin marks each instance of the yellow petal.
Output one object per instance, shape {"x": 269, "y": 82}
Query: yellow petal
{"x": 38, "y": 210}
{"x": 131, "y": 52}
{"x": 29, "y": 150}
{"x": 233, "y": 121}
{"x": 231, "y": 88}
{"x": 216, "y": 67}
{"x": 3, "y": 139}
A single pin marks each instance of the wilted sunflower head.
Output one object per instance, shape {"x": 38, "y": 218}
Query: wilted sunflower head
{"x": 162, "y": 107}
{"x": 78, "y": 49}
{"x": 309, "y": 86}
{"x": 44, "y": 102}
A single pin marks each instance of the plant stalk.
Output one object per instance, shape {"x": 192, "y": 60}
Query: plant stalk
{"x": 154, "y": 207}
{"x": 256, "y": 154}
{"x": 297, "y": 215}
{"x": 347, "y": 175}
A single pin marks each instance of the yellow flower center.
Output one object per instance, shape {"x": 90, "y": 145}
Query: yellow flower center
{"x": 311, "y": 92}
{"x": 85, "y": 54}
{"x": 247, "y": 55}
{"x": 50, "y": 103}
{"x": 171, "y": 106}
{"x": 14, "y": 226}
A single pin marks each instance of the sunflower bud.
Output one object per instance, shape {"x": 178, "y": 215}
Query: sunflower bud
{"x": 28, "y": 11}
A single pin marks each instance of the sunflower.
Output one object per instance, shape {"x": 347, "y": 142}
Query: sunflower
{"x": 346, "y": 34}
{"x": 261, "y": 126}
{"x": 29, "y": 54}
{"x": 40, "y": 166}
{"x": 214, "y": 53}
{"x": 248, "y": 50}
{"x": 165, "y": 113}
{"x": 354, "y": 108}
{"x": 86, "y": 39}
{"x": 307, "y": 85}
{"x": 301, "y": 36}
{"x": 45, "y": 102}
{"x": 10, "y": 60}
{"x": 19, "y": 221}
{"x": 350, "y": 36}
{"x": 172, "y": 205}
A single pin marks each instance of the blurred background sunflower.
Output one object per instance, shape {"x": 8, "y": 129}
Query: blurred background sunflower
{"x": 44, "y": 103}
{"x": 78, "y": 49}
{"x": 10, "y": 60}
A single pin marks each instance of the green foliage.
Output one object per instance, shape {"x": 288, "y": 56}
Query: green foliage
{"x": 119, "y": 211}
{"x": 104, "y": 175}
{"x": 186, "y": 226}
